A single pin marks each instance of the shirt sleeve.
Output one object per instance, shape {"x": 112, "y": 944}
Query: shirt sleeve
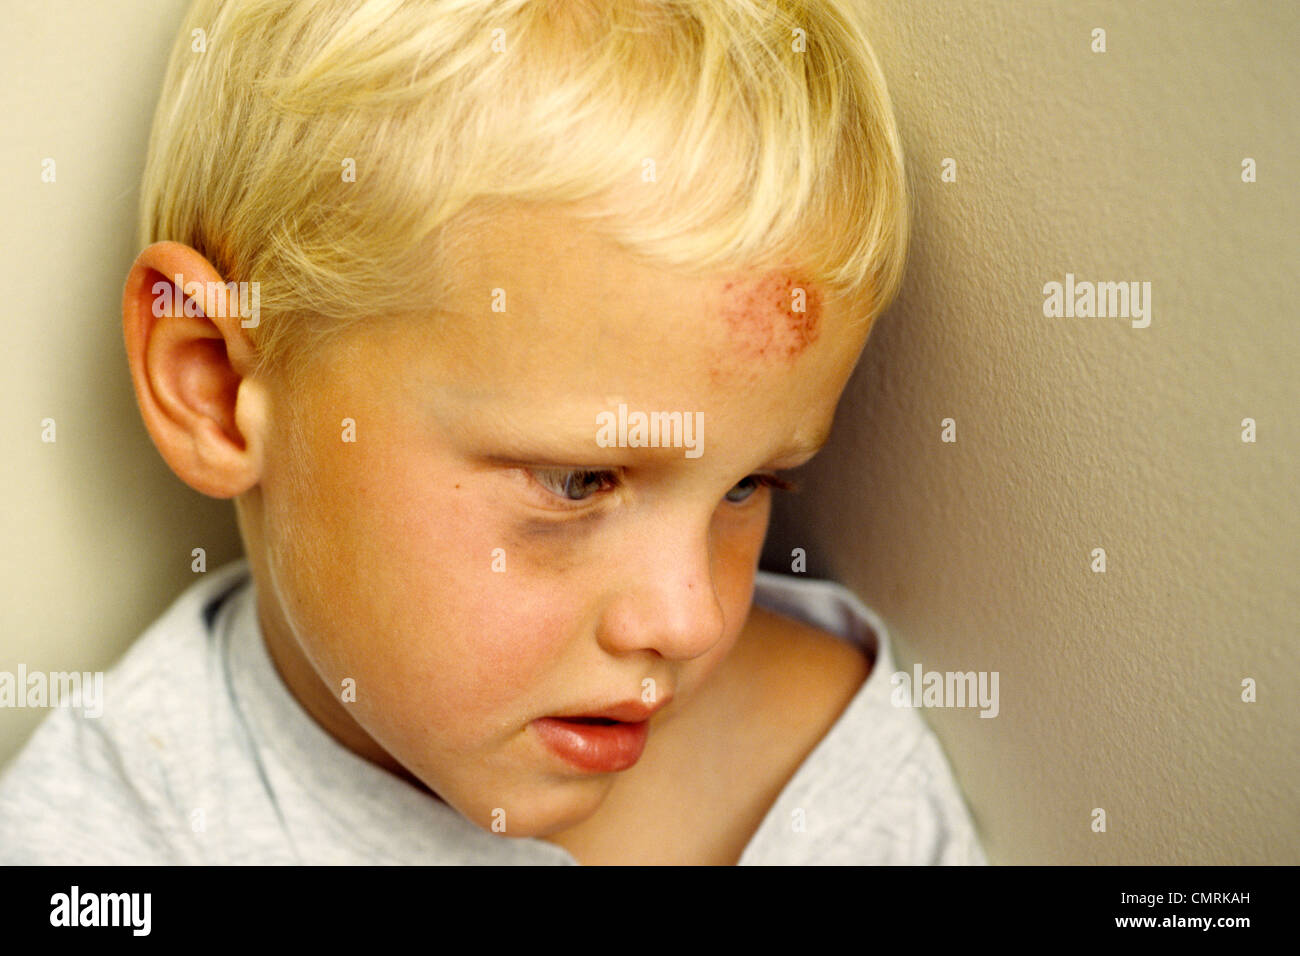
{"x": 75, "y": 796}
{"x": 942, "y": 832}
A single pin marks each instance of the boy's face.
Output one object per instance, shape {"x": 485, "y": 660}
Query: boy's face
{"x": 444, "y": 562}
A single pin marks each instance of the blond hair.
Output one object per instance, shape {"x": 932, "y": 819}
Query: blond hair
{"x": 699, "y": 134}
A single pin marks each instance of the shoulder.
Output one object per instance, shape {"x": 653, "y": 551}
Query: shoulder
{"x": 75, "y": 796}
{"x": 798, "y": 663}
{"x": 879, "y": 789}
{"x": 789, "y": 682}
{"x": 112, "y": 778}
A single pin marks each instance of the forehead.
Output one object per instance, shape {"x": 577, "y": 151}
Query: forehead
{"x": 770, "y": 318}
{"x": 535, "y": 273}
{"x": 544, "y": 323}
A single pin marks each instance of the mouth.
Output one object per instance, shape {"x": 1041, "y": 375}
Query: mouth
{"x": 604, "y": 739}
{"x": 594, "y": 744}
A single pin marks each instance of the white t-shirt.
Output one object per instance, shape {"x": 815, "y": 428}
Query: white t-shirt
{"x": 202, "y": 755}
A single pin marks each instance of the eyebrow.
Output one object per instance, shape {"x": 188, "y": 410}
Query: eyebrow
{"x": 585, "y": 453}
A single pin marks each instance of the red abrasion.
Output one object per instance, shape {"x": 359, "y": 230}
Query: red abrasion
{"x": 764, "y": 321}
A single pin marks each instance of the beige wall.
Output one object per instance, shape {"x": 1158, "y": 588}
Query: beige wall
{"x": 1119, "y": 691}
{"x": 98, "y": 531}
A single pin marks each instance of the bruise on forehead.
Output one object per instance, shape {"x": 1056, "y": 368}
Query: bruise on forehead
{"x": 773, "y": 318}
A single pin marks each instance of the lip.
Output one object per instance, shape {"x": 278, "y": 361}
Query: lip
{"x": 628, "y": 711}
{"x": 600, "y": 748}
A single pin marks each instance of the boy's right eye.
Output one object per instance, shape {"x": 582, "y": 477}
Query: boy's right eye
{"x": 574, "y": 484}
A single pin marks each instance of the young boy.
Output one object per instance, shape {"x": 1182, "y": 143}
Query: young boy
{"x": 541, "y": 297}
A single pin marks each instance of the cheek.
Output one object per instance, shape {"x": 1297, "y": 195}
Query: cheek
{"x": 738, "y": 544}
{"x": 738, "y": 533}
{"x": 390, "y": 580}
{"x": 469, "y": 633}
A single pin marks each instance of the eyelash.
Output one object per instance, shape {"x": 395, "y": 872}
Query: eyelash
{"x": 610, "y": 480}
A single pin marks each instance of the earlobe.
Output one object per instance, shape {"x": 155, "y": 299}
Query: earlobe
{"x": 186, "y": 385}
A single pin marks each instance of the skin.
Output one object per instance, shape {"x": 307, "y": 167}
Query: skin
{"x": 764, "y": 320}
{"x": 373, "y": 559}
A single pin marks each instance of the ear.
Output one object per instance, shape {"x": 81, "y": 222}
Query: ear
{"x": 189, "y": 356}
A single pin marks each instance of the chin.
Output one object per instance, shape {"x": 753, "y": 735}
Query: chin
{"x": 546, "y": 812}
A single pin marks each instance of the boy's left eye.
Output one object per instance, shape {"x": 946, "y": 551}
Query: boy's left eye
{"x": 576, "y": 485}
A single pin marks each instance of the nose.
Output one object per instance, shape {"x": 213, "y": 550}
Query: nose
{"x": 665, "y": 599}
